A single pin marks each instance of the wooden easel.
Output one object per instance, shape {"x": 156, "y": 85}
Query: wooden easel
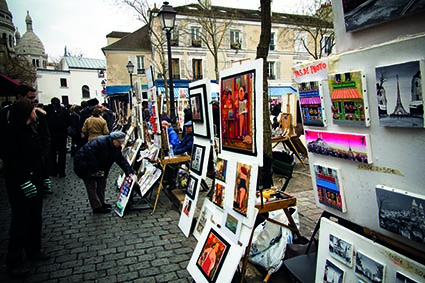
{"x": 284, "y": 204}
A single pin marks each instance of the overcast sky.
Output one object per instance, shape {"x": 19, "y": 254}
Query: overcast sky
{"x": 82, "y": 25}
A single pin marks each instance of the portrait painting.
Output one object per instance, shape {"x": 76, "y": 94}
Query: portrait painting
{"x": 348, "y": 99}
{"x": 196, "y": 107}
{"x": 197, "y": 158}
{"x": 212, "y": 255}
{"x": 237, "y": 113}
{"x": 332, "y": 273}
{"x": 399, "y": 95}
{"x": 328, "y": 187}
{"x": 218, "y": 195}
{"x": 341, "y": 250}
{"x": 221, "y": 169}
{"x": 359, "y": 14}
{"x": 368, "y": 268}
{"x": 241, "y": 195}
{"x": 354, "y": 147}
{"x": 192, "y": 185}
{"x": 395, "y": 204}
{"x": 311, "y": 104}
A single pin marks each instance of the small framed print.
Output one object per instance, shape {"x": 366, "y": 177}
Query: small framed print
{"x": 368, "y": 268}
{"x": 221, "y": 169}
{"x": 212, "y": 255}
{"x": 197, "y": 159}
{"x": 242, "y": 188}
{"x": 332, "y": 273}
{"x": 196, "y": 107}
{"x": 192, "y": 185}
{"x": 218, "y": 195}
{"x": 341, "y": 250}
{"x": 232, "y": 223}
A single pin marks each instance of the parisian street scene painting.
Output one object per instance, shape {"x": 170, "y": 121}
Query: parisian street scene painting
{"x": 401, "y": 212}
{"x": 399, "y": 94}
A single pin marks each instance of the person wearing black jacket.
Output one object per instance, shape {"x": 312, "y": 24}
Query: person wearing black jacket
{"x": 20, "y": 149}
{"x": 92, "y": 163}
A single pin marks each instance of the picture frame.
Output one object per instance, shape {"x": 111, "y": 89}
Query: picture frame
{"x": 341, "y": 250}
{"x": 197, "y": 159}
{"x": 393, "y": 204}
{"x": 232, "y": 224}
{"x": 218, "y": 194}
{"x": 399, "y": 95}
{"x": 368, "y": 268}
{"x": 349, "y": 104}
{"x": 238, "y": 113}
{"x": 192, "y": 186}
{"x": 354, "y": 147}
{"x": 196, "y": 107}
{"x": 221, "y": 169}
{"x": 205, "y": 215}
{"x": 187, "y": 206}
{"x": 212, "y": 255}
{"x": 242, "y": 188}
{"x": 401, "y": 278}
{"x": 329, "y": 190}
{"x": 332, "y": 273}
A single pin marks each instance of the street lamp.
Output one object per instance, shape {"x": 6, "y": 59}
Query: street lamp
{"x": 130, "y": 69}
{"x": 167, "y": 16}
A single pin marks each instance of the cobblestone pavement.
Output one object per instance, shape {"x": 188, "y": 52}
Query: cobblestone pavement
{"x": 137, "y": 248}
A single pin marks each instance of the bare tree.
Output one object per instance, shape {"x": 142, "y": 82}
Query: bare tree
{"x": 18, "y": 69}
{"x": 318, "y": 27}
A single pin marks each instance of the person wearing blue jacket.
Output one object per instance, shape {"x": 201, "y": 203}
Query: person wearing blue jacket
{"x": 185, "y": 145}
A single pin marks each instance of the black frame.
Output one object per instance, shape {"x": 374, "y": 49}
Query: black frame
{"x": 201, "y": 95}
{"x": 201, "y": 161}
{"x": 192, "y": 194}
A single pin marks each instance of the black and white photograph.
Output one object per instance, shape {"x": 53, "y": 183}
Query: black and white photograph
{"x": 368, "y": 268}
{"x": 341, "y": 250}
{"x": 362, "y": 13}
{"x": 332, "y": 273}
{"x": 401, "y": 278}
{"x": 401, "y": 212}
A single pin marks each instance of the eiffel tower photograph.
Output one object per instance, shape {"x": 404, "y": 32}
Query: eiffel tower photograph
{"x": 399, "y": 94}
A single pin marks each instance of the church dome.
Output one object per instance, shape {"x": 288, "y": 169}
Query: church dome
{"x": 7, "y": 29}
{"x": 30, "y": 43}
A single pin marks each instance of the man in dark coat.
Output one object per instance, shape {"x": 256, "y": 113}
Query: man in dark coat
{"x": 92, "y": 163}
{"x": 109, "y": 116}
{"x": 58, "y": 120}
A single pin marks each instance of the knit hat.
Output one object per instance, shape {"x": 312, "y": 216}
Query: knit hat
{"x": 118, "y": 135}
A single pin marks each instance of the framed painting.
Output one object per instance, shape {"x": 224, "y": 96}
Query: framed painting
{"x": 237, "y": 113}
{"x": 341, "y": 250}
{"x": 192, "y": 186}
{"x": 395, "y": 204}
{"x": 232, "y": 224}
{"x": 197, "y": 158}
{"x": 187, "y": 206}
{"x": 328, "y": 187}
{"x": 349, "y": 103}
{"x": 218, "y": 195}
{"x": 361, "y": 14}
{"x": 212, "y": 256}
{"x": 368, "y": 268}
{"x": 399, "y": 95}
{"x": 332, "y": 273}
{"x": 221, "y": 169}
{"x": 241, "y": 195}
{"x": 311, "y": 104}
{"x": 354, "y": 147}
{"x": 196, "y": 107}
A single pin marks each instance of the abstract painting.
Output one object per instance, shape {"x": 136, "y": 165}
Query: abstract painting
{"x": 368, "y": 268}
{"x": 401, "y": 212}
{"x": 362, "y": 13}
{"x": 328, "y": 187}
{"x": 243, "y": 177}
{"x": 354, "y": 147}
{"x": 348, "y": 102}
{"x": 399, "y": 95}
{"x": 212, "y": 255}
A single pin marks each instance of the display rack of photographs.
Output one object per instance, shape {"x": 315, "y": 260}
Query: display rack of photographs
{"x": 358, "y": 259}
{"x": 354, "y": 147}
{"x": 328, "y": 187}
{"x": 199, "y": 97}
{"x": 399, "y": 89}
{"x": 349, "y": 104}
{"x": 215, "y": 258}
